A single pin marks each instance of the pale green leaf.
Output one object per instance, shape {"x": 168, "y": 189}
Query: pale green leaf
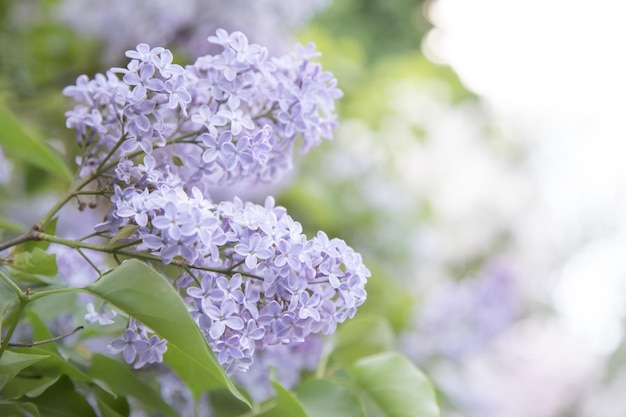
{"x": 329, "y": 398}
{"x": 396, "y": 386}
{"x": 23, "y": 146}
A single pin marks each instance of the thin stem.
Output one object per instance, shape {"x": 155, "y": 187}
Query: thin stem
{"x": 125, "y": 245}
{"x": 20, "y": 309}
{"x": 25, "y": 237}
{"x": 112, "y": 151}
{"x": 13, "y": 285}
{"x": 45, "y": 293}
{"x": 133, "y": 254}
{"x": 43, "y": 342}
{"x": 89, "y": 236}
{"x": 89, "y": 261}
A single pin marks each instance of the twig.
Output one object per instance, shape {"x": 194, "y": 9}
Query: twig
{"x": 43, "y": 342}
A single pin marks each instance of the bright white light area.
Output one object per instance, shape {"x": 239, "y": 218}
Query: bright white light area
{"x": 546, "y": 54}
{"x": 590, "y": 294}
{"x": 557, "y": 69}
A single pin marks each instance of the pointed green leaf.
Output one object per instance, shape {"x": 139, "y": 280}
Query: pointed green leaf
{"x": 397, "y": 387}
{"x": 122, "y": 381}
{"x": 144, "y": 294}
{"x": 328, "y": 398}
{"x": 12, "y": 363}
{"x": 286, "y": 404}
{"x": 124, "y": 233}
{"x": 25, "y": 147}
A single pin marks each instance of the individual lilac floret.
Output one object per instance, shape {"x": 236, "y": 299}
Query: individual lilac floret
{"x": 231, "y": 117}
{"x": 138, "y": 346}
{"x": 261, "y": 281}
{"x": 102, "y": 317}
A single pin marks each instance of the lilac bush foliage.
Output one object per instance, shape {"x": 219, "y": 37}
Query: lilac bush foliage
{"x": 160, "y": 137}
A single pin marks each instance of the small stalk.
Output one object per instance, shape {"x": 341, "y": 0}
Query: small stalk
{"x": 20, "y": 310}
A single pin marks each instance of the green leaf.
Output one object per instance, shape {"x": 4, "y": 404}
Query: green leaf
{"x": 360, "y": 337}
{"x": 144, "y": 294}
{"x": 396, "y": 386}
{"x": 124, "y": 233}
{"x": 225, "y": 405}
{"x": 37, "y": 261}
{"x": 62, "y": 400}
{"x": 25, "y": 147}
{"x": 329, "y": 398}
{"x": 12, "y": 363}
{"x": 286, "y": 404}
{"x": 29, "y": 387}
{"x": 18, "y": 409}
{"x": 122, "y": 381}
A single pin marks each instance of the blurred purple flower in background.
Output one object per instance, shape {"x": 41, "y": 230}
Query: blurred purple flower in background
{"x": 186, "y": 23}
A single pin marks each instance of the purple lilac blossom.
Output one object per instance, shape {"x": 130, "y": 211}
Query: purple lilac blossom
{"x": 164, "y": 135}
{"x": 138, "y": 345}
{"x": 232, "y": 117}
{"x": 275, "y": 285}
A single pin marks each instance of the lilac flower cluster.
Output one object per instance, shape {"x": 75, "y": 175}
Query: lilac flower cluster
{"x": 163, "y": 136}
{"x": 228, "y": 118}
{"x": 260, "y": 281}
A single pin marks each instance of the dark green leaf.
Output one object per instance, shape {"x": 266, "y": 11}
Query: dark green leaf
{"x": 225, "y": 405}
{"x": 28, "y": 386}
{"x": 18, "y": 409}
{"x": 119, "y": 378}
{"x": 61, "y": 400}
{"x": 144, "y": 294}
{"x": 25, "y": 147}
{"x": 328, "y": 398}
{"x": 397, "y": 387}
